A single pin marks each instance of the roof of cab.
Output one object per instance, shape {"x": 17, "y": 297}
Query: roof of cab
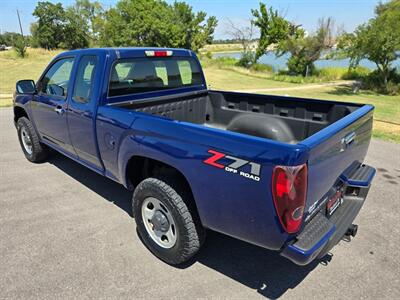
{"x": 127, "y": 52}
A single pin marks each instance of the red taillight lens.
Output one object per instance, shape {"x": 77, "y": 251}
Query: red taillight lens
{"x": 289, "y": 188}
{"x": 158, "y": 53}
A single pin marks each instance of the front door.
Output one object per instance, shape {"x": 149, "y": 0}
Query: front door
{"x": 49, "y": 105}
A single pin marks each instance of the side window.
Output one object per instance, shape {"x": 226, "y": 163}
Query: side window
{"x": 161, "y": 71}
{"x": 84, "y": 79}
{"x": 122, "y": 70}
{"x": 55, "y": 81}
{"x": 186, "y": 71}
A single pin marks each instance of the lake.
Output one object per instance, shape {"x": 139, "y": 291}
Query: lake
{"x": 279, "y": 63}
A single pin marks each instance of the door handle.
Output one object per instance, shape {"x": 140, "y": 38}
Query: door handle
{"x": 59, "y": 110}
{"x": 347, "y": 141}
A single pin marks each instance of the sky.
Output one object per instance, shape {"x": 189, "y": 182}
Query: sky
{"x": 347, "y": 13}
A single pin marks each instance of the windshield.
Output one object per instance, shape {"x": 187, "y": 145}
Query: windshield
{"x": 140, "y": 75}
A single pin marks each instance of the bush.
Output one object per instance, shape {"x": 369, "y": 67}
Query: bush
{"x": 356, "y": 73}
{"x": 20, "y": 46}
{"x": 226, "y": 61}
{"x": 296, "y": 78}
{"x": 336, "y": 73}
{"x": 299, "y": 65}
{"x": 393, "y": 88}
{"x": 262, "y": 68}
{"x": 375, "y": 83}
{"x": 331, "y": 73}
{"x": 246, "y": 60}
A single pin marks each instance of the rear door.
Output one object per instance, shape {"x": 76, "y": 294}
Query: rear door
{"x": 49, "y": 105}
{"x": 82, "y": 110}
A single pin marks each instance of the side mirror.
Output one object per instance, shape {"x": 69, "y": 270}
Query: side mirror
{"x": 26, "y": 86}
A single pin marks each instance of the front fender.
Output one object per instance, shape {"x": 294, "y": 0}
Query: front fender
{"x": 22, "y": 101}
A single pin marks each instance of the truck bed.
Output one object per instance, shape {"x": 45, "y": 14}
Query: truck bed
{"x": 284, "y": 119}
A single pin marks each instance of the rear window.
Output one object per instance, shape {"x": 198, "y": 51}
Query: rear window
{"x": 140, "y": 75}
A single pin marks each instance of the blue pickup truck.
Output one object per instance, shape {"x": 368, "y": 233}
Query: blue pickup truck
{"x": 283, "y": 173}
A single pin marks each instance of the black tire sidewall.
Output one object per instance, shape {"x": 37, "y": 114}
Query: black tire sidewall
{"x": 39, "y": 151}
{"x": 171, "y": 255}
{"x": 22, "y": 123}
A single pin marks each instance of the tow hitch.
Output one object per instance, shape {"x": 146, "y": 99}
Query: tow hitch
{"x": 352, "y": 230}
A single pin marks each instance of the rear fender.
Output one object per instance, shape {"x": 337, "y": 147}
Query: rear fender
{"x": 131, "y": 146}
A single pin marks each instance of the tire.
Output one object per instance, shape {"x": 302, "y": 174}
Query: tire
{"x": 29, "y": 140}
{"x": 189, "y": 234}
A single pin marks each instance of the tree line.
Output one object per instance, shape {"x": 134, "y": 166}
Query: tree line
{"x": 160, "y": 24}
{"x": 130, "y": 23}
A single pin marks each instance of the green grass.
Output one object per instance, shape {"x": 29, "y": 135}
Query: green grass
{"x": 325, "y": 74}
{"x": 335, "y": 73}
{"x": 13, "y": 68}
{"x": 229, "y": 79}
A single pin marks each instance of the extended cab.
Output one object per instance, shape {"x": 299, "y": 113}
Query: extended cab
{"x": 283, "y": 173}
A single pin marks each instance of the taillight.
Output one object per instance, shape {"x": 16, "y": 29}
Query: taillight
{"x": 158, "y": 53}
{"x": 289, "y": 188}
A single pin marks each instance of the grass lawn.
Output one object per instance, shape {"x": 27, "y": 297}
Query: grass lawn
{"x": 13, "y": 68}
{"x": 387, "y": 108}
{"x": 225, "y": 79}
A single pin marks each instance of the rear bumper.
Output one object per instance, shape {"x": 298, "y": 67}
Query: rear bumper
{"x": 323, "y": 232}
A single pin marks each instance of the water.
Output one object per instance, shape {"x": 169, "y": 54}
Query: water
{"x": 279, "y": 63}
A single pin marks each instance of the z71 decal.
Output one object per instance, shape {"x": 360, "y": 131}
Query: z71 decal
{"x": 233, "y": 165}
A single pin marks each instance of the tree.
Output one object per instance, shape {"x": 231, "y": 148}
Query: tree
{"x": 306, "y": 49}
{"x": 75, "y": 30}
{"x": 73, "y": 27}
{"x": 20, "y": 46}
{"x": 273, "y": 28}
{"x": 8, "y": 38}
{"x": 378, "y": 40}
{"x": 156, "y": 23}
{"x": 244, "y": 35}
{"x": 34, "y": 38}
{"x": 90, "y": 16}
{"x": 139, "y": 23}
{"x": 49, "y": 32}
{"x": 194, "y": 29}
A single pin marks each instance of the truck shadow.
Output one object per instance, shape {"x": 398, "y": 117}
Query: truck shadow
{"x": 257, "y": 268}
{"x": 265, "y": 271}
{"x": 104, "y": 187}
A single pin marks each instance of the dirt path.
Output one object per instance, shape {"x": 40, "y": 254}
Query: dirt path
{"x": 301, "y": 87}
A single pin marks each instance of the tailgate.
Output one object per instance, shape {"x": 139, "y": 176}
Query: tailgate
{"x": 333, "y": 150}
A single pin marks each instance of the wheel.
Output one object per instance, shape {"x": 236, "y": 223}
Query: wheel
{"x": 34, "y": 150}
{"x": 164, "y": 222}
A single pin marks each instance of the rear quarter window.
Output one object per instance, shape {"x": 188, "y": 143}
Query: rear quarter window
{"x": 140, "y": 75}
